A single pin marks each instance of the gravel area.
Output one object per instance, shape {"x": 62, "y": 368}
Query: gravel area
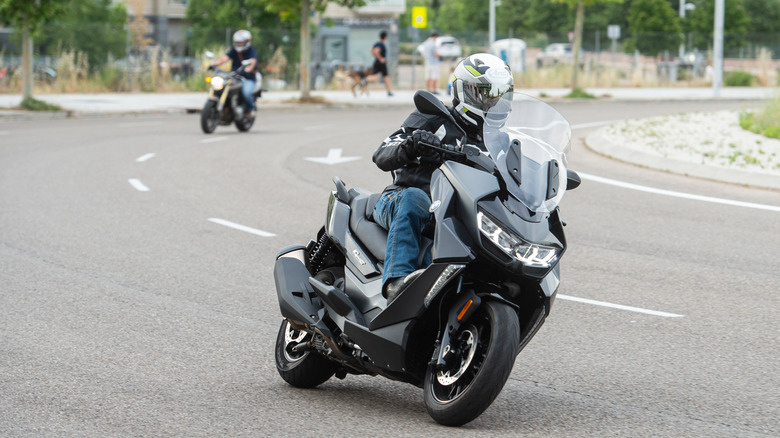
{"x": 712, "y": 139}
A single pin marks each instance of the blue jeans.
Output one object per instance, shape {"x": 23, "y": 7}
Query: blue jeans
{"x": 404, "y": 214}
{"x": 247, "y": 86}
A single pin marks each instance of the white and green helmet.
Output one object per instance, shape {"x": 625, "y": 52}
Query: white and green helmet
{"x": 479, "y": 82}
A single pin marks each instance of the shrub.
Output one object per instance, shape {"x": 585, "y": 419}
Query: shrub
{"x": 579, "y": 93}
{"x": 739, "y": 78}
{"x": 32, "y": 104}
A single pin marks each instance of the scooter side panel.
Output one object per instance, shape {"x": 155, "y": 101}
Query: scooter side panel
{"x": 294, "y": 292}
{"x": 384, "y": 346}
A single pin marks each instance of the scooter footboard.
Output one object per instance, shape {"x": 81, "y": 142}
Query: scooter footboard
{"x": 297, "y": 300}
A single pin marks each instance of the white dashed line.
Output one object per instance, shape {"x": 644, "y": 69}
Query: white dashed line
{"x": 242, "y": 227}
{"x": 143, "y": 158}
{"x": 620, "y": 306}
{"x": 213, "y": 139}
{"x": 138, "y": 185}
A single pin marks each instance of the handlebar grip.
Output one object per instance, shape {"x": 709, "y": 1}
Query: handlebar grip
{"x": 449, "y": 151}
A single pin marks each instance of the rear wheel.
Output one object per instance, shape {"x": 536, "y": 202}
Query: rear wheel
{"x": 485, "y": 348}
{"x": 302, "y": 369}
{"x": 245, "y": 123}
{"x": 209, "y": 118}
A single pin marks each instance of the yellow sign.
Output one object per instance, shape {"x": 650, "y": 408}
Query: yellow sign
{"x": 419, "y": 16}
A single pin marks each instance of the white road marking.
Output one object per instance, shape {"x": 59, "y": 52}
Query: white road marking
{"x": 138, "y": 124}
{"x": 593, "y": 124}
{"x": 242, "y": 227}
{"x": 631, "y": 186}
{"x": 145, "y": 157}
{"x": 213, "y": 139}
{"x": 333, "y": 157}
{"x": 620, "y": 306}
{"x": 138, "y": 185}
{"x": 316, "y": 127}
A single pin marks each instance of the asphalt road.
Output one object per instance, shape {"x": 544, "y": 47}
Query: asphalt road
{"x": 129, "y": 308}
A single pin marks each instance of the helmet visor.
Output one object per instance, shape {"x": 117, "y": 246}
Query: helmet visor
{"x": 486, "y": 96}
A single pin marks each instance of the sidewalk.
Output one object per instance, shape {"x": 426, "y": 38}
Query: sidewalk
{"x": 96, "y": 105}
{"x": 135, "y": 103}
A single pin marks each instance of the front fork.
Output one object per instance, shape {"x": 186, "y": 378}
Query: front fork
{"x": 461, "y": 311}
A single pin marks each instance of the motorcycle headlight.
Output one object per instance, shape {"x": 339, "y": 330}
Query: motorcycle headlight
{"x": 530, "y": 254}
{"x": 217, "y": 83}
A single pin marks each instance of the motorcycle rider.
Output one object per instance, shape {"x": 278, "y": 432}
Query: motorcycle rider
{"x": 479, "y": 82}
{"x": 242, "y": 50}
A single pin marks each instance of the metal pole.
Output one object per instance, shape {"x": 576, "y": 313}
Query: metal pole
{"x": 492, "y": 23}
{"x": 717, "y": 79}
{"x": 682, "y": 15}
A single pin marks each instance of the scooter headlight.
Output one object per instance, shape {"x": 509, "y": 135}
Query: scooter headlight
{"x": 217, "y": 83}
{"x": 530, "y": 254}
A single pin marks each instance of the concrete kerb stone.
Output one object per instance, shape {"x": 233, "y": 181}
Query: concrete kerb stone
{"x": 597, "y": 142}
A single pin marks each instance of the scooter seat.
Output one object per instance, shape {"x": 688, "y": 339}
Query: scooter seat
{"x": 361, "y": 223}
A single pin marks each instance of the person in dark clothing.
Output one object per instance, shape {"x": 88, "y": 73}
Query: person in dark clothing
{"x": 479, "y": 82}
{"x": 380, "y": 61}
{"x": 242, "y": 50}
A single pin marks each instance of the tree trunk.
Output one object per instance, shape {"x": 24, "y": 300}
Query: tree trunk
{"x": 578, "y": 23}
{"x": 27, "y": 61}
{"x": 305, "y": 48}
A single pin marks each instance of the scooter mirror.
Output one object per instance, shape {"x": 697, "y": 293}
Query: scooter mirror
{"x": 572, "y": 179}
{"x": 427, "y": 103}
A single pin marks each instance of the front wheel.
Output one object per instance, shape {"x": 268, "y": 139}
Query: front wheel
{"x": 485, "y": 347}
{"x": 305, "y": 369}
{"x": 209, "y": 117}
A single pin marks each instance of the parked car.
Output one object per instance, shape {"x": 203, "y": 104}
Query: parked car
{"x": 554, "y": 54}
{"x": 448, "y": 47}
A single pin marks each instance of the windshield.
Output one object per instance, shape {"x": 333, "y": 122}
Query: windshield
{"x": 529, "y": 141}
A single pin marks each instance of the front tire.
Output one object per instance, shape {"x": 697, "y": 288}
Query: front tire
{"x": 209, "y": 118}
{"x": 300, "y": 369}
{"x": 486, "y": 349}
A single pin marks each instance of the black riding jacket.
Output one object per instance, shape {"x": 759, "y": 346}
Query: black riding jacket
{"x": 416, "y": 171}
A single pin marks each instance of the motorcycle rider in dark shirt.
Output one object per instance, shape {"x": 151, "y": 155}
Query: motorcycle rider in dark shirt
{"x": 242, "y": 50}
{"x": 479, "y": 82}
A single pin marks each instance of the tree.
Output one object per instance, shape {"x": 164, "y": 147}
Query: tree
{"x": 579, "y": 5}
{"x": 253, "y": 14}
{"x": 29, "y": 16}
{"x": 94, "y": 27}
{"x": 654, "y": 27}
{"x": 700, "y": 23}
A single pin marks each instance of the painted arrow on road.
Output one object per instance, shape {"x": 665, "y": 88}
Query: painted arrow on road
{"x": 334, "y": 157}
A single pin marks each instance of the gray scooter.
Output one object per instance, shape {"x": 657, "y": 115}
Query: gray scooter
{"x": 456, "y": 329}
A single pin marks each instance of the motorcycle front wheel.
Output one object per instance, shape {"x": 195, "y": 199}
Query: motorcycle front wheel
{"x": 305, "y": 369}
{"x": 209, "y": 118}
{"x": 485, "y": 347}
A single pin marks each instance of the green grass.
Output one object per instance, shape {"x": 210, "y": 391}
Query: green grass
{"x": 32, "y": 104}
{"x": 765, "y": 122}
{"x": 579, "y": 93}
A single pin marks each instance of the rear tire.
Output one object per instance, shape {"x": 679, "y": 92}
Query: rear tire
{"x": 302, "y": 370}
{"x": 209, "y": 118}
{"x": 486, "y": 346}
{"x": 244, "y": 124}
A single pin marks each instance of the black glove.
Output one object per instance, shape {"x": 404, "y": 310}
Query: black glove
{"x": 414, "y": 145}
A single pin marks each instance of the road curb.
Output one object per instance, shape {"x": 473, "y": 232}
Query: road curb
{"x": 597, "y": 142}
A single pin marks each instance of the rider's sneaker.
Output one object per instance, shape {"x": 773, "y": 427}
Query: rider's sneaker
{"x": 250, "y": 114}
{"x": 389, "y": 94}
